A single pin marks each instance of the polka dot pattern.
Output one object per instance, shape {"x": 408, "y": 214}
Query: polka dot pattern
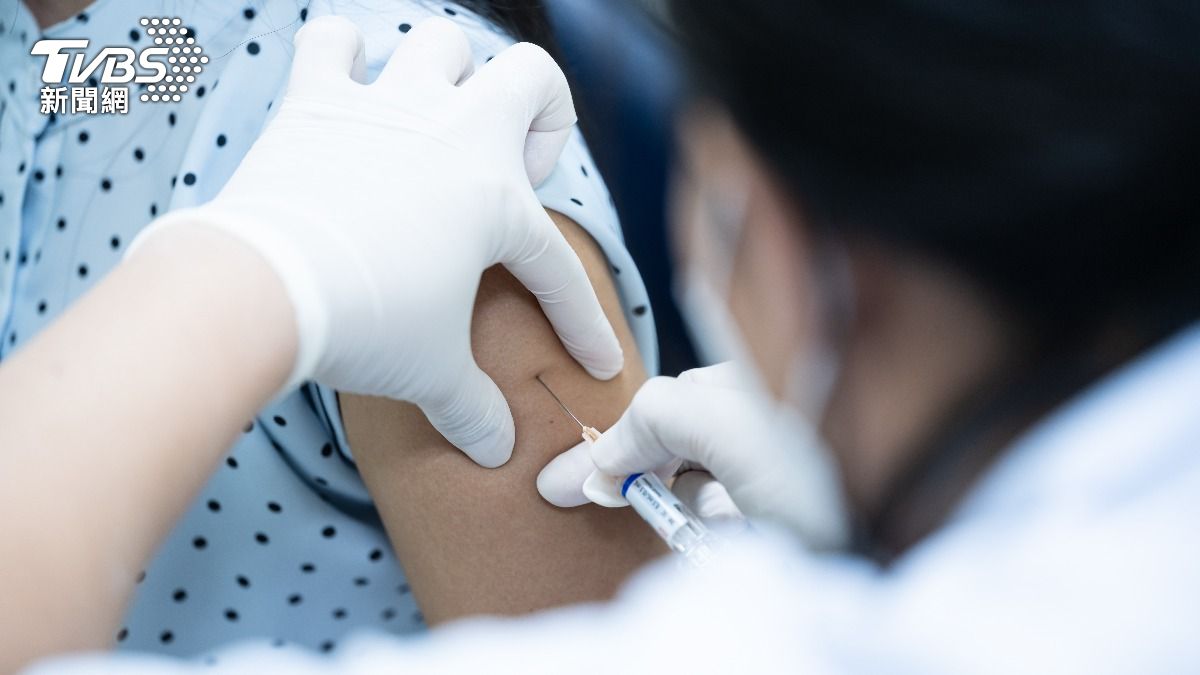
{"x": 281, "y": 544}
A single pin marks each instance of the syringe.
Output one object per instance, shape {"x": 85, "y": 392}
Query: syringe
{"x": 681, "y": 529}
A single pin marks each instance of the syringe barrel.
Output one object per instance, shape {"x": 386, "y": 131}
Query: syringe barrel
{"x": 681, "y": 529}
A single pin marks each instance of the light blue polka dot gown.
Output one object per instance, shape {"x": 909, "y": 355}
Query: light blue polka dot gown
{"x": 282, "y": 543}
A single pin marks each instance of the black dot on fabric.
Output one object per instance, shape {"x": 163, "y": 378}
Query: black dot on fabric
{"x": 339, "y": 614}
{"x": 274, "y": 507}
{"x": 82, "y": 17}
{"x": 154, "y": 209}
{"x": 329, "y": 532}
{"x": 249, "y": 427}
{"x": 616, "y": 270}
{"x": 280, "y": 420}
{"x": 327, "y": 450}
{"x": 231, "y": 615}
{"x": 584, "y": 170}
{"x": 12, "y": 338}
{"x": 12, "y": 86}
{"x": 361, "y": 581}
{"x": 576, "y": 201}
{"x": 115, "y": 242}
{"x": 83, "y": 271}
{"x": 179, "y": 595}
{"x": 376, "y": 555}
{"x": 221, "y": 141}
{"x": 388, "y": 614}
{"x": 308, "y": 568}
{"x": 269, "y": 104}
{"x": 22, "y": 258}
{"x": 214, "y": 505}
{"x": 248, "y": 13}
{"x": 243, "y": 581}
{"x": 262, "y": 538}
{"x": 200, "y": 543}
{"x": 327, "y": 646}
{"x": 42, "y": 307}
{"x": 189, "y": 178}
{"x": 83, "y": 137}
{"x": 174, "y": 179}
{"x": 304, "y": 14}
{"x": 252, "y": 48}
{"x": 105, "y": 184}
{"x": 39, "y": 175}
{"x": 139, "y": 154}
{"x": 639, "y": 310}
{"x": 295, "y": 599}
{"x": 450, "y": 11}
{"x": 93, "y": 82}
{"x": 21, "y": 168}
{"x": 405, "y": 27}
{"x": 122, "y": 634}
{"x": 171, "y": 119}
{"x": 200, "y": 91}
{"x": 231, "y": 462}
{"x": 58, "y": 170}
{"x": 166, "y": 637}
{"x": 61, "y": 224}
{"x": 141, "y": 576}
{"x": 134, "y": 36}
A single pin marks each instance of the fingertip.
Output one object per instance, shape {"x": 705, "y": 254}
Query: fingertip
{"x": 493, "y": 450}
{"x": 608, "y": 365}
{"x": 560, "y": 482}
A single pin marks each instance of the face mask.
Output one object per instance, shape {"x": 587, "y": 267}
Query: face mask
{"x": 703, "y": 297}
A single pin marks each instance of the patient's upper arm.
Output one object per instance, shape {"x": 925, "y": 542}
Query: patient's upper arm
{"x": 476, "y": 540}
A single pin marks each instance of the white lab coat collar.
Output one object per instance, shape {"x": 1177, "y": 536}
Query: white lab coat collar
{"x": 1115, "y": 439}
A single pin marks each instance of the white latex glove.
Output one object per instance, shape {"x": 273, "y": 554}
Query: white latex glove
{"x": 709, "y": 417}
{"x": 380, "y": 205}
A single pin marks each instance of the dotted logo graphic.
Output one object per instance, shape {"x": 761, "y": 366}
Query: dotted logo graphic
{"x": 185, "y": 59}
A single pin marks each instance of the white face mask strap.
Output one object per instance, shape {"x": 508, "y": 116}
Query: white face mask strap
{"x": 814, "y": 376}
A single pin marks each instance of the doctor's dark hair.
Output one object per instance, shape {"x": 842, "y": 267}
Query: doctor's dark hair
{"x": 1050, "y": 151}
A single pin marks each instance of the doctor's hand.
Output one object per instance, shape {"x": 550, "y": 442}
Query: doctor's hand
{"x": 770, "y": 466}
{"x": 379, "y": 206}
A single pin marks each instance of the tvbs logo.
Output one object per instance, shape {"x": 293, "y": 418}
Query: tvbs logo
{"x": 77, "y": 85}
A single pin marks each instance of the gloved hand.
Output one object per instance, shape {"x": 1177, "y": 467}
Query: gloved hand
{"x": 379, "y": 206}
{"x": 774, "y": 468}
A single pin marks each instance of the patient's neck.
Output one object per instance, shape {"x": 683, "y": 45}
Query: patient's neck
{"x": 50, "y": 12}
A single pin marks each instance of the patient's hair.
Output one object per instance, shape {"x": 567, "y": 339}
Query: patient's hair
{"x": 1048, "y": 150}
{"x": 525, "y": 20}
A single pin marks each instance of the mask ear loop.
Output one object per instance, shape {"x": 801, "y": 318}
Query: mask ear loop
{"x": 813, "y": 378}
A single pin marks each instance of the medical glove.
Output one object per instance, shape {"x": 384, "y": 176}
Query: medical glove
{"x": 771, "y": 464}
{"x": 380, "y": 205}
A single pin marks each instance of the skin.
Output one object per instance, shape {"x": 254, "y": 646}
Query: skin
{"x": 49, "y": 12}
{"x": 919, "y": 339}
{"x": 191, "y": 306}
{"x": 474, "y": 540}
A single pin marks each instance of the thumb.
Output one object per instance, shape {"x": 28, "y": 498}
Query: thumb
{"x": 473, "y": 415}
{"x": 670, "y": 419}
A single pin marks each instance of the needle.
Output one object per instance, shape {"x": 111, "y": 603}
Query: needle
{"x": 559, "y": 402}
{"x": 589, "y": 433}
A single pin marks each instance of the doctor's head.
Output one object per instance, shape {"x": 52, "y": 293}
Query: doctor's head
{"x": 952, "y": 216}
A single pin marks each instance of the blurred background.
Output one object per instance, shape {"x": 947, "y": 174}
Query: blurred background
{"x": 626, "y": 87}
